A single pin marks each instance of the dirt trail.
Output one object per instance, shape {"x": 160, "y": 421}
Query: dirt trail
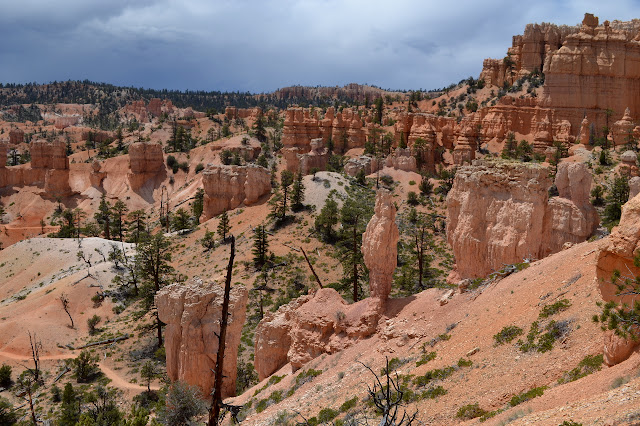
{"x": 116, "y": 380}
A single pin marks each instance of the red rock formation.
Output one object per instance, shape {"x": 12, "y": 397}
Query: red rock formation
{"x": 623, "y": 129}
{"x": 192, "y": 313}
{"x": 157, "y": 107}
{"x": 227, "y": 187}
{"x": 380, "y": 246}
{"x": 64, "y": 122}
{"x": 137, "y": 109}
{"x": 527, "y": 53}
{"x": 146, "y": 160}
{"x": 500, "y": 213}
{"x": 402, "y": 159}
{"x": 467, "y": 139}
{"x": 96, "y": 176}
{"x": 317, "y": 158}
{"x": 49, "y": 155}
{"x": 299, "y": 128}
{"x": 310, "y": 326}
{"x": 16, "y": 136}
{"x": 616, "y": 253}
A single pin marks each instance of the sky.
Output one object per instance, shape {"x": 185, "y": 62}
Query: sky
{"x": 262, "y": 45}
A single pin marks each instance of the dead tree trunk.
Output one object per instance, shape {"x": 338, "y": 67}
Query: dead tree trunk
{"x": 311, "y": 267}
{"x": 214, "y": 411}
{"x": 65, "y": 306}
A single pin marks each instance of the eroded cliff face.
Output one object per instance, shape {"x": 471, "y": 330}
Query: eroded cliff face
{"x": 227, "y": 187}
{"x": 617, "y": 253}
{"x": 590, "y": 70}
{"x": 500, "y": 213}
{"x": 49, "y": 169}
{"x": 192, "y": 313}
{"x": 146, "y": 160}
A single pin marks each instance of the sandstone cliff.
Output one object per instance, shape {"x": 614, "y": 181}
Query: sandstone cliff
{"x": 227, "y": 187}
{"x": 500, "y": 213}
{"x": 146, "y": 160}
{"x": 192, "y": 313}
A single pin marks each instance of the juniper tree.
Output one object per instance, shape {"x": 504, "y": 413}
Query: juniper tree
{"x": 198, "y": 204}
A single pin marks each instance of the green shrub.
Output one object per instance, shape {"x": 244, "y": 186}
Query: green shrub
{"x": 559, "y": 306}
{"x": 184, "y": 166}
{"x": 327, "y": 414}
{"x": 507, "y": 334}
{"x": 433, "y": 393}
{"x": 386, "y": 179}
{"x": 543, "y": 342}
{"x": 464, "y": 362}
{"x": 92, "y": 324}
{"x": 426, "y": 357}
{"x": 570, "y": 423}
{"x": 437, "y": 374}
{"x": 199, "y": 168}
{"x": 85, "y": 367}
{"x": 171, "y": 161}
{"x": 349, "y": 404}
{"x": 412, "y": 198}
{"x": 589, "y": 364}
{"x": 526, "y": 396}
{"x": 470, "y": 411}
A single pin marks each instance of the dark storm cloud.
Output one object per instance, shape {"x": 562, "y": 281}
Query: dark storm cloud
{"x": 262, "y": 45}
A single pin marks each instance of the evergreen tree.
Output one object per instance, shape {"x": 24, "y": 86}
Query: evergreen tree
{"x": 297, "y": 194}
{"x": 137, "y": 221}
{"x": 103, "y": 217}
{"x": 70, "y": 408}
{"x": 618, "y": 194}
{"x": 198, "y": 204}
{"x": 327, "y": 219}
{"x": 153, "y": 257}
{"x": 223, "y": 226}
{"x": 260, "y": 131}
{"x": 181, "y": 220}
{"x": 354, "y": 216}
{"x": 260, "y": 246}
{"x": 119, "y": 211}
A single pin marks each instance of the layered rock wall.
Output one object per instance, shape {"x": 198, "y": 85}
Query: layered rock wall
{"x": 227, "y": 187}
{"x": 146, "y": 160}
{"x": 192, "y": 314}
{"x": 500, "y": 213}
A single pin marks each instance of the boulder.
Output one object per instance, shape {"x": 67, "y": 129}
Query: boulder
{"x": 192, "y": 313}
{"x": 616, "y": 348}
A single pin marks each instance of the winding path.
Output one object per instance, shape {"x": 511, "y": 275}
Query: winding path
{"x": 116, "y": 380}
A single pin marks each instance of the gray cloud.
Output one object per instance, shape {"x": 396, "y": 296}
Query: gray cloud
{"x": 262, "y": 45}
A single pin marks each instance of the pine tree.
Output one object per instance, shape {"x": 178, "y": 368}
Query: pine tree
{"x": 103, "y": 217}
{"x": 260, "y": 131}
{"x": 198, "y": 204}
{"x": 119, "y": 211}
{"x": 260, "y": 246}
{"x": 297, "y": 194}
{"x": 153, "y": 257}
{"x": 136, "y": 225}
{"x": 327, "y": 219}
{"x": 223, "y": 226}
